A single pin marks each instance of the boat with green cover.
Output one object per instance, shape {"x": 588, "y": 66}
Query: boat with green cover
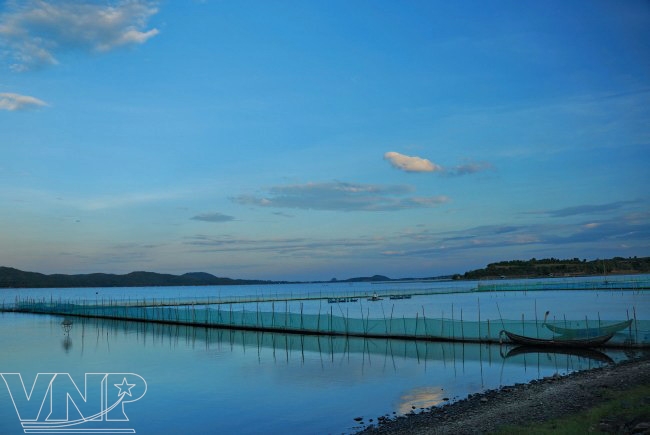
{"x": 589, "y": 332}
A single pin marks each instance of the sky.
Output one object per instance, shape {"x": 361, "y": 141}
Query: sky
{"x": 311, "y": 140}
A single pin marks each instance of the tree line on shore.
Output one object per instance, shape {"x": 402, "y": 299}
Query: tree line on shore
{"x": 555, "y": 267}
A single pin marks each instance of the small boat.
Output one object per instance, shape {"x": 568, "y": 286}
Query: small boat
{"x": 374, "y": 297}
{"x": 589, "y": 332}
{"x": 582, "y": 352}
{"x": 557, "y": 341}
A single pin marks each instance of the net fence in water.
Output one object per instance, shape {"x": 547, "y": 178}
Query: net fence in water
{"x": 567, "y": 284}
{"x": 631, "y": 333}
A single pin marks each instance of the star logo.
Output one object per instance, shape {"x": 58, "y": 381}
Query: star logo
{"x": 125, "y": 388}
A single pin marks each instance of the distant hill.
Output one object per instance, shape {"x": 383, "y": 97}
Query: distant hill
{"x": 554, "y": 267}
{"x": 10, "y": 277}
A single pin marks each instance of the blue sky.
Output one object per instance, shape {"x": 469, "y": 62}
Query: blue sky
{"x": 318, "y": 139}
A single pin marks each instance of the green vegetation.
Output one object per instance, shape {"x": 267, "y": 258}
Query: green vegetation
{"x": 554, "y": 267}
{"x": 620, "y": 412}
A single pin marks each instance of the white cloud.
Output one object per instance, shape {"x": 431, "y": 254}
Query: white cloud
{"x": 410, "y": 164}
{"x": 34, "y": 31}
{"x": 11, "y": 102}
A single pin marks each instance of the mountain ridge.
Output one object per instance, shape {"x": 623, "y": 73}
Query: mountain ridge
{"x": 14, "y": 278}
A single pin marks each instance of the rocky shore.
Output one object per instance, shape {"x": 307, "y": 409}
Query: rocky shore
{"x": 537, "y": 401}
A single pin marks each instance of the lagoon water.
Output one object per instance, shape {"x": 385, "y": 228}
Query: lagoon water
{"x": 207, "y": 380}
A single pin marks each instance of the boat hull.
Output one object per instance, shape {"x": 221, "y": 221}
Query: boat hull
{"x": 579, "y": 352}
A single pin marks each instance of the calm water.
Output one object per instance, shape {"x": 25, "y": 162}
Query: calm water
{"x": 220, "y": 381}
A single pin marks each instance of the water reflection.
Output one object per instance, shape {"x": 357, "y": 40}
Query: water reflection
{"x": 246, "y": 381}
{"x": 540, "y": 352}
{"x": 67, "y": 344}
{"x": 390, "y": 352}
{"x": 66, "y": 325}
{"x": 421, "y": 398}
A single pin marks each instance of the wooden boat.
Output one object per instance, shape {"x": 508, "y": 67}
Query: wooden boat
{"x": 559, "y": 341}
{"x": 589, "y": 332}
{"x": 581, "y": 352}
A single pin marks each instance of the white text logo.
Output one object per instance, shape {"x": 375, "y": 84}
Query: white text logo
{"x": 54, "y": 402}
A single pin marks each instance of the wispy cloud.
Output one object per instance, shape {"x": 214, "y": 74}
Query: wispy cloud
{"x": 586, "y": 209}
{"x": 12, "y": 102}
{"x": 468, "y": 168}
{"x": 281, "y": 246}
{"x": 487, "y": 241}
{"x": 33, "y": 32}
{"x": 410, "y": 163}
{"x": 213, "y": 217}
{"x": 341, "y": 196}
{"x": 618, "y": 232}
{"x": 92, "y": 203}
{"x": 127, "y": 199}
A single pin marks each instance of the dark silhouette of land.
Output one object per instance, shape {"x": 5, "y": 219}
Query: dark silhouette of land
{"x": 14, "y": 278}
{"x": 548, "y": 267}
{"x": 10, "y": 277}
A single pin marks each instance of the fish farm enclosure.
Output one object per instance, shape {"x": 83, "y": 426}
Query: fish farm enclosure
{"x": 477, "y": 314}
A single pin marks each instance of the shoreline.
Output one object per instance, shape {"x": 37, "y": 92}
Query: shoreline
{"x": 522, "y": 404}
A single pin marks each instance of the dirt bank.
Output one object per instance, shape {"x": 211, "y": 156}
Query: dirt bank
{"x": 537, "y": 401}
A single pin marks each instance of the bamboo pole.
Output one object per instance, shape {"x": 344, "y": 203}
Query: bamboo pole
{"x": 462, "y": 331}
{"x": 453, "y": 326}
{"x": 636, "y": 326}
{"x": 536, "y": 325}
